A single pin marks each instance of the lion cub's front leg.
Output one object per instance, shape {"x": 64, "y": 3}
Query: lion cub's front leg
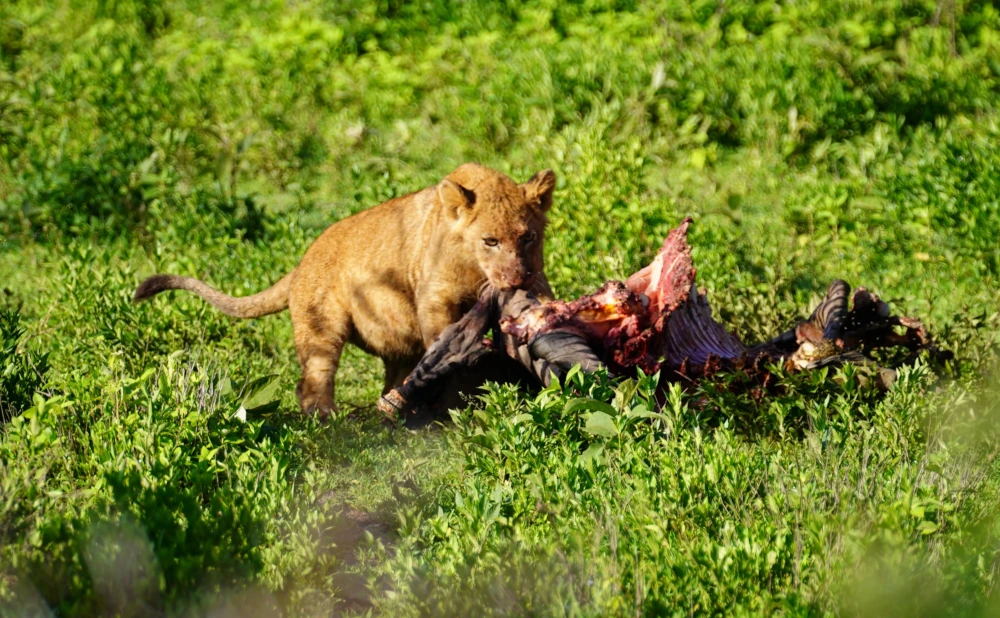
{"x": 435, "y": 312}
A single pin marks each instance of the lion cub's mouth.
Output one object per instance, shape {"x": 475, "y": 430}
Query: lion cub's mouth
{"x": 523, "y": 284}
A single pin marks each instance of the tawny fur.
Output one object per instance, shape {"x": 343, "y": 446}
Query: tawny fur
{"x": 391, "y": 278}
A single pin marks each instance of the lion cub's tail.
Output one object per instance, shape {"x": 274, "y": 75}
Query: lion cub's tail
{"x": 271, "y": 300}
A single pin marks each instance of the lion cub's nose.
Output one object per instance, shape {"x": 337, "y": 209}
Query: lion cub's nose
{"x": 520, "y": 280}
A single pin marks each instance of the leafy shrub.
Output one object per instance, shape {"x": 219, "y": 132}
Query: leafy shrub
{"x": 21, "y": 371}
{"x": 163, "y": 457}
{"x": 634, "y": 506}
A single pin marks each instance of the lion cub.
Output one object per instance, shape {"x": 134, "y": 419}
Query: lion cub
{"x": 391, "y": 278}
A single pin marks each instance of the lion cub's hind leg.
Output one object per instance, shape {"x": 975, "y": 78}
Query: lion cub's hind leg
{"x": 320, "y": 335}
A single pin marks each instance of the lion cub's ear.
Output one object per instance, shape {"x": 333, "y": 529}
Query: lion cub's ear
{"x": 455, "y": 198}
{"x": 540, "y": 187}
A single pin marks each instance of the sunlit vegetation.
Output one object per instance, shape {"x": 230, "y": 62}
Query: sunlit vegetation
{"x": 153, "y": 459}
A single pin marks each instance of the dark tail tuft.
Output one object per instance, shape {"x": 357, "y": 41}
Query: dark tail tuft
{"x": 152, "y": 286}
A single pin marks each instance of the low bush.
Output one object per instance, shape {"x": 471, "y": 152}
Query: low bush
{"x": 21, "y": 371}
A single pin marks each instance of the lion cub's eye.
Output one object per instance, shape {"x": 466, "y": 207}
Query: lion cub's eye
{"x": 491, "y": 242}
{"x": 529, "y": 237}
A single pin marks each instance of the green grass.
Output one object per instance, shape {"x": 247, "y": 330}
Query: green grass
{"x": 809, "y": 140}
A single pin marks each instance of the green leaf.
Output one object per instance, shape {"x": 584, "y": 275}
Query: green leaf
{"x": 588, "y": 405}
{"x": 591, "y": 455}
{"x": 262, "y": 396}
{"x": 927, "y": 527}
{"x": 640, "y": 411}
{"x": 711, "y": 474}
{"x": 572, "y": 373}
{"x": 698, "y": 157}
{"x": 601, "y": 424}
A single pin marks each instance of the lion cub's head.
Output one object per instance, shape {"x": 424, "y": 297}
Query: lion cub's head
{"x": 499, "y": 221}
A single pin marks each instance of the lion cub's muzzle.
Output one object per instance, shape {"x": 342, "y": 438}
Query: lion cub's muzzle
{"x": 515, "y": 281}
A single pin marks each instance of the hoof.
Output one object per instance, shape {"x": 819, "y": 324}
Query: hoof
{"x": 391, "y": 405}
